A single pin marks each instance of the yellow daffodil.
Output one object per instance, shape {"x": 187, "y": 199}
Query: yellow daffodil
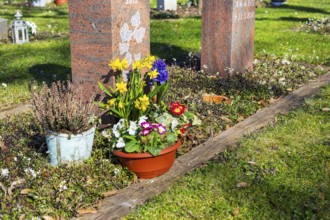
{"x": 151, "y": 59}
{"x": 111, "y": 102}
{"x": 144, "y": 99}
{"x": 124, "y": 64}
{"x": 120, "y": 105}
{"x": 137, "y": 104}
{"x": 115, "y": 64}
{"x": 121, "y": 87}
{"x": 137, "y": 64}
{"x": 153, "y": 74}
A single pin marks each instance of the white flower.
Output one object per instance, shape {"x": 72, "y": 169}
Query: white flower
{"x": 15, "y": 158}
{"x": 142, "y": 119}
{"x": 31, "y": 171}
{"x": 116, "y": 171}
{"x": 62, "y": 186}
{"x": 132, "y": 128}
{"x": 4, "y": 172}
{"x": 115, "y": 131}
{"x": 106, "y": 133}
{"x": 255, "y": 61}
{"x": 4, "y": 85}
{"x": 120, "y": 143}
{"x": 284, "y": 61}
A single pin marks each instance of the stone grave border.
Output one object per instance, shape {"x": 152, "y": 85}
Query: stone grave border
{"x": 122, "y": 203}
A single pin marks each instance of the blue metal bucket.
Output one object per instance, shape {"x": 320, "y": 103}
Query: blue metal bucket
{"x": 65, "y": 150}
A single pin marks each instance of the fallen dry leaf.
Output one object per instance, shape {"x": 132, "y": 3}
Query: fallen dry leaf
{"x": 25, "y": 191}
{"x": 241, "y": 118}
{"x": 224, "y": 118}
{"x": 46, "y": 217}
{"x": 235, "y": 211}
{"x": 110, "y": 193}
{"x": 242, "y": 185}
{"x": 263, "y": 103}
{"x": 89, "y": 210}
{"x": 326, "y": 109}
{"x": 227, "y": 127}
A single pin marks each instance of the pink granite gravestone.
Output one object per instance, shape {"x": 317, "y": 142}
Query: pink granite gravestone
{"x": 227, "y": 36}
{"x": 103, "y": 30}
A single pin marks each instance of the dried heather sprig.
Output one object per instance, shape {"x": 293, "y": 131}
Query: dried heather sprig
{"x": 61, "y": 108}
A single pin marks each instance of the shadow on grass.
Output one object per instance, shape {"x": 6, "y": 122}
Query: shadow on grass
{"x": 168, "y": 52}
{"x": 302, "y": 8}
{"x": 49, "y": 72}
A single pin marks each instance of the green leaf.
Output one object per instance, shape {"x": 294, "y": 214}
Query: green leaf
{"x": 171, "y": 138}
{"x": 154, "y": 151}
{"x": 105, "y": 89}
{"x": 196, "y": 121}
{"x": 132, "y": 146}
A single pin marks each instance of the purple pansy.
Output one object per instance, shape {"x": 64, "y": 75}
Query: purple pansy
{"x": 145, "y": 132}
{"x": 161, "y": 129}
{"x": 146, "y": 125}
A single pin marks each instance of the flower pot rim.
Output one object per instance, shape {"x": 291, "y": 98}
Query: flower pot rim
{"x": 147, "y": 155}
{"x": 58, "y": 134}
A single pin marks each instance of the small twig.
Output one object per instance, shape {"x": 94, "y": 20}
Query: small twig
{"x": 186, "y": 211}
{"x": 3, "y": 188}
{"x": 12, "y": 186}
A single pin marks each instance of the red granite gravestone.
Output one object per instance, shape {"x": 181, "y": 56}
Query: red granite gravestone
{"x": 227, "y": 36}
{"x": 103, "y": 30}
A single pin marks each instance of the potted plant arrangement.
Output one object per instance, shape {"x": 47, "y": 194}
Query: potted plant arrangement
{"x": 67, "y": 120}
{"x": 148, "y": 131}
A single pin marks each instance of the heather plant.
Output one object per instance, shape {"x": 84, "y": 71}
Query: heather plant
{"x": 61, "y": 108}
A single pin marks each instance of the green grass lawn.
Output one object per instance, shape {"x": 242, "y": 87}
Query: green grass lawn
{"x": 282, "y": 172}
{"x": 48, "y": 58}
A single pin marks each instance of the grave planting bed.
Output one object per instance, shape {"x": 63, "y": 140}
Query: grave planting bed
{"x": 33, "y": 188}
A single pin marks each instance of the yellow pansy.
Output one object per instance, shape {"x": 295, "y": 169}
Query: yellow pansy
{"x": 137, "y": 64}
{"x": 153, "y": 74}
{"x": 115, "y": 64}
{"x": 121, "y": 87}
{"x": 120, "y": 105}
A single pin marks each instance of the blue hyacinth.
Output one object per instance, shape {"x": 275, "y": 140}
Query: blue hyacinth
{"x": 160, "y": 66}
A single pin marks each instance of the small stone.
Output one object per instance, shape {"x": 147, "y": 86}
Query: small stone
{"x": 325, "y": 109}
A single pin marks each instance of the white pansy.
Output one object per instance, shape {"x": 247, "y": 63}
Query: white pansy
{"x": 121, "y": 123}
{"x": 4, "y": 172}
{"x": 120, "y": 143}
{"x": 132, "y": 128}
{"x": 142, "y": 119}
{"x": 115, "y": 131}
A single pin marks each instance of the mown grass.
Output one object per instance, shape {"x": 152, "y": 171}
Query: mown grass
{"x": 279, "y": 173}
{"x": 48, "y": 58}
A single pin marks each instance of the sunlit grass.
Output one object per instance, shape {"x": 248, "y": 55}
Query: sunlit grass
{"x": 283, "y": 173}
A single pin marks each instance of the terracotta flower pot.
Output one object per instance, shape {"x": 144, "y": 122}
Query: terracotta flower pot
{"x": 146, "y": 166}
{"x": 60, "y": 2}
